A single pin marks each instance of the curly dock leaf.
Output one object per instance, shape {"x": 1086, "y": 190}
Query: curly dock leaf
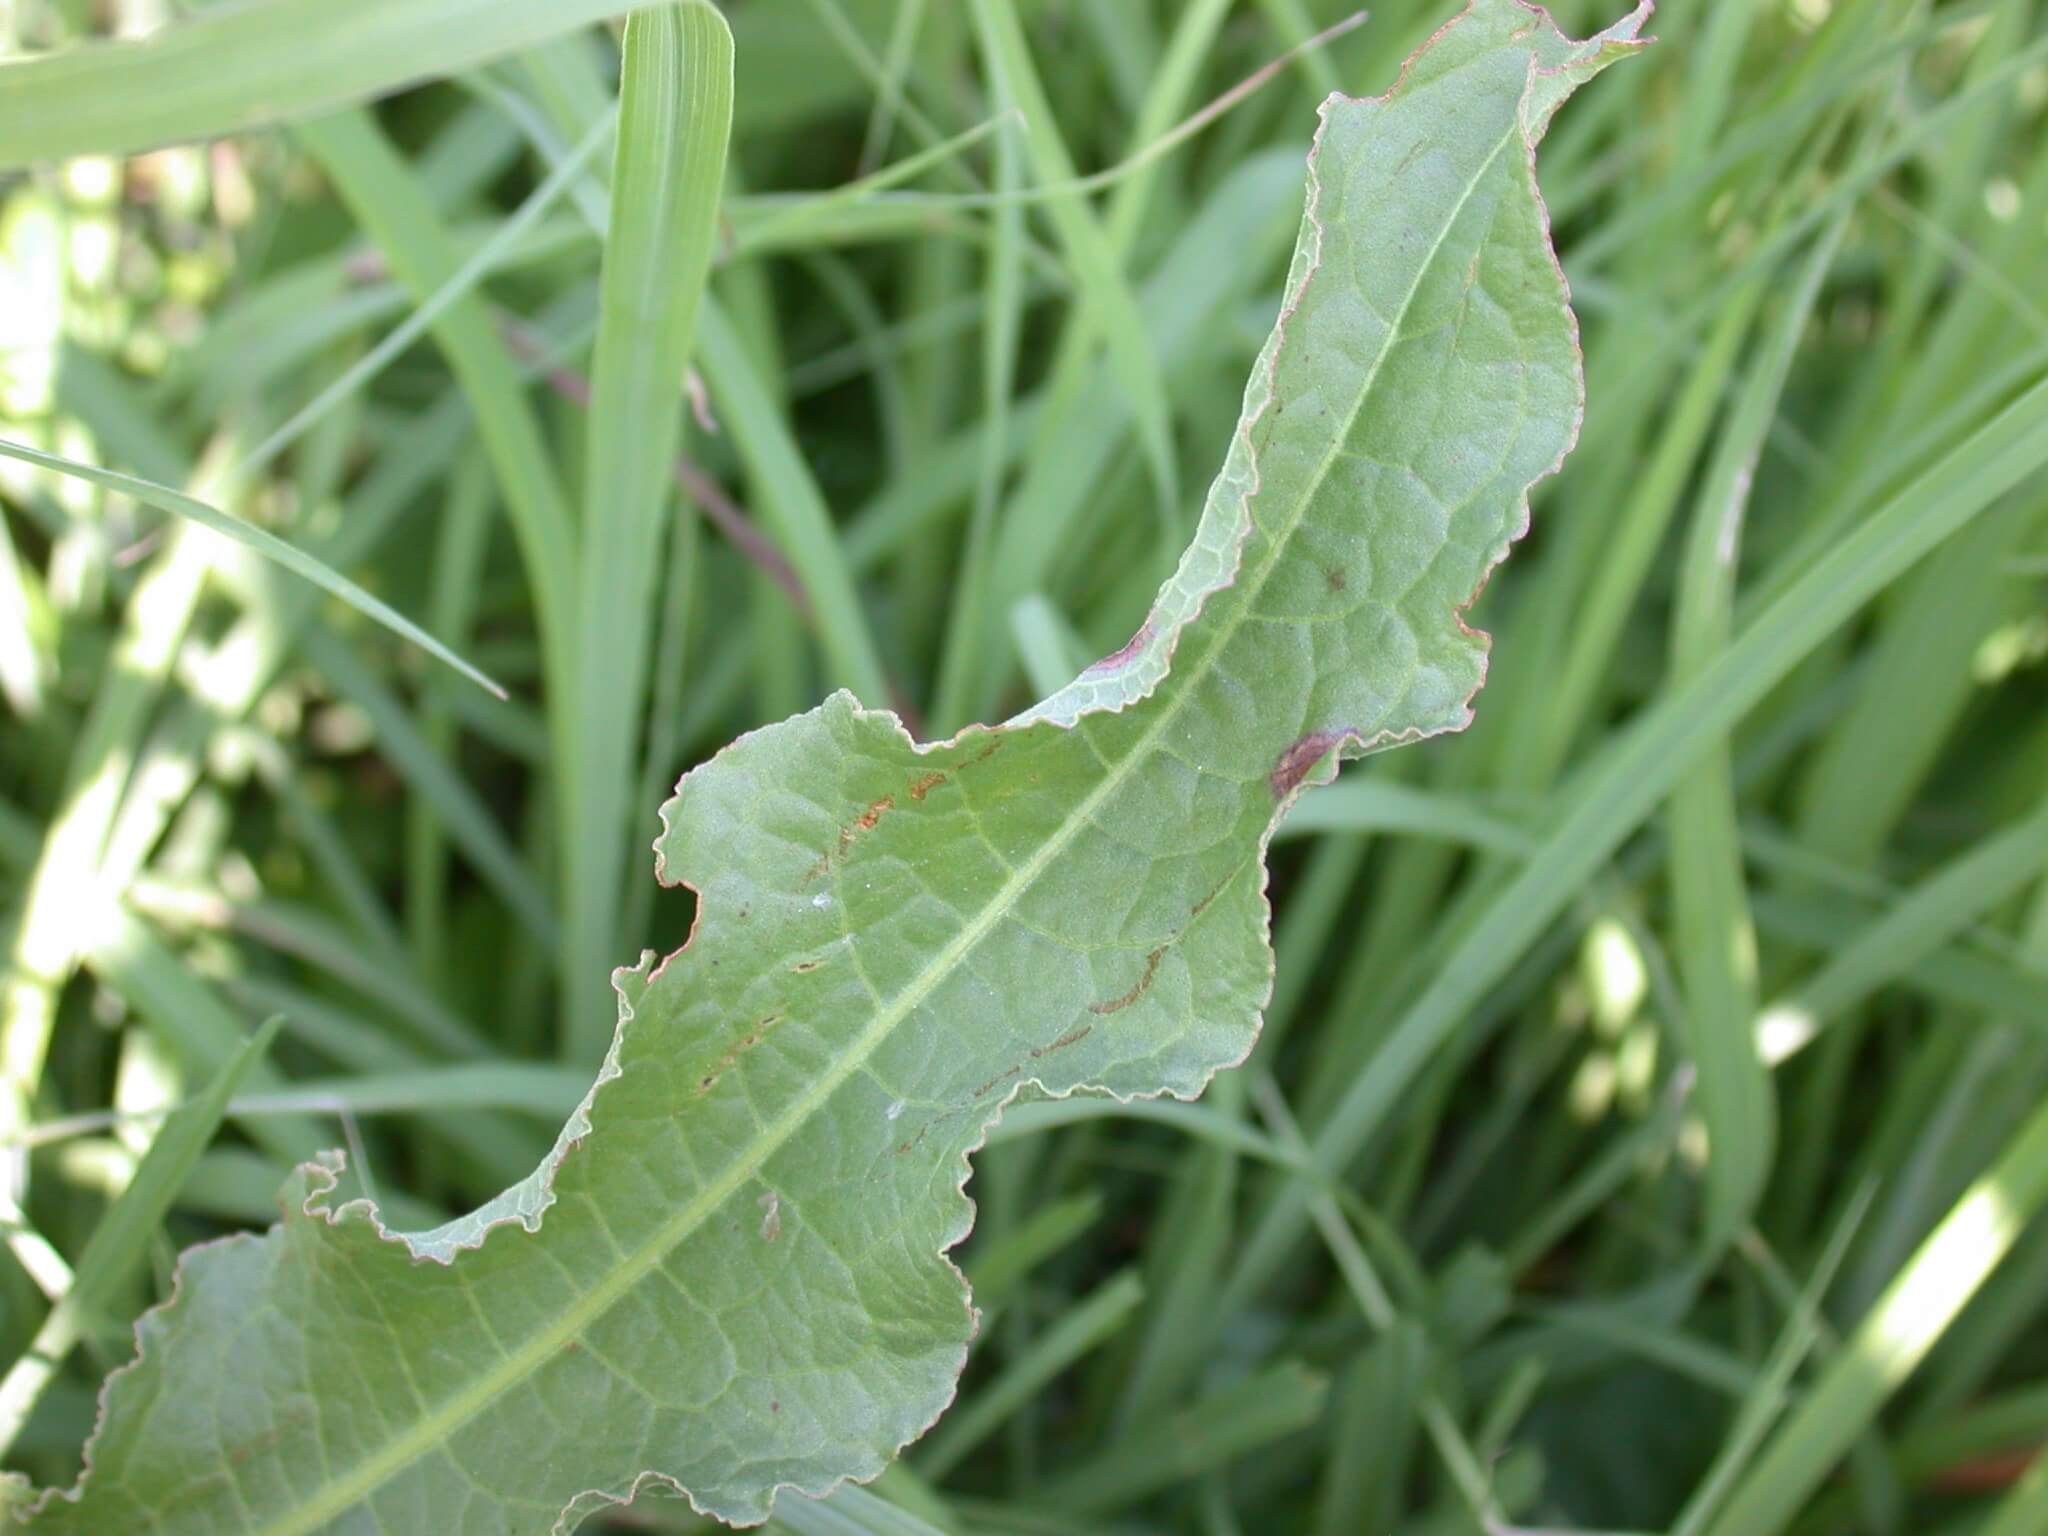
{"x": 729, "y": 1277}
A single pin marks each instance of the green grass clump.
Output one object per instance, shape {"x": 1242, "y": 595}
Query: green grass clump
{"x": 1646, "y": 1134}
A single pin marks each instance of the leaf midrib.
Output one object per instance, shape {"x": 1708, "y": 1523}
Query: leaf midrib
{"x": 433, "y": 1429}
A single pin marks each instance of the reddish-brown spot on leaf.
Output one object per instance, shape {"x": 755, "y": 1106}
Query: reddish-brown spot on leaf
{"x": 739, "y": 1048}
{"x": 237, "y": 1454}
{"x": 1138, "y": 989}
{"x": 1296, "y": 761}
{"x": 1072, "y": 1037}
{"x": 1001, "y": 1077}
{"x": 1203, "y": 905}
{"x": 926, "y": 785}
{"x": 918, "y": 1140}
{"x": 1130, "y": 648}
{"x": 1986, "y": 1473}
{"x": 864, "y": 822}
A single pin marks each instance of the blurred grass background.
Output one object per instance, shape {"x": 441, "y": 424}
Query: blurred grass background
{"x": 1647, "y": 1134}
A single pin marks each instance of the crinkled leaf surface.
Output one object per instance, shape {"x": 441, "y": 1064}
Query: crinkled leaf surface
{"x": 729, "y": 1276}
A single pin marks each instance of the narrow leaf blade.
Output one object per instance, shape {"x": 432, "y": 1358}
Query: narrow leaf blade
{"x": 264, "y": 542}
{"x": 241, "y": 66}
{"x": 675, "y": 117}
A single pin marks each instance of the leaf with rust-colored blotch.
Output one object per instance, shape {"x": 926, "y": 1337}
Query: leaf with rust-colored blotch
{"x": 729, "y": 1278}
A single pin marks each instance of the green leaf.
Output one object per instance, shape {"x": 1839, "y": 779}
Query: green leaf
{"x": 239, "y": 66}
{"x": 728, "y": 1277}
{"x": 397, "y": 212}
{"x": 265, "y": 543}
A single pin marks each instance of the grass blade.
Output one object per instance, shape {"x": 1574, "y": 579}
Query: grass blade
{"x": 119, "y": 1243}
{"x": 1081, "y": 1328}
{"x": 1894, "y": 1337}
{"x": 1097, "y": 270}
{"x": 392, "y": 205}
{"x": 675, "y": 116}
{"x": 265, "y": 543}
{"x": 236, "y": 67}
{"x": 790, "y": 503}
{"x": 1715, "y": 937}
{"x": 1615, "y": 798}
